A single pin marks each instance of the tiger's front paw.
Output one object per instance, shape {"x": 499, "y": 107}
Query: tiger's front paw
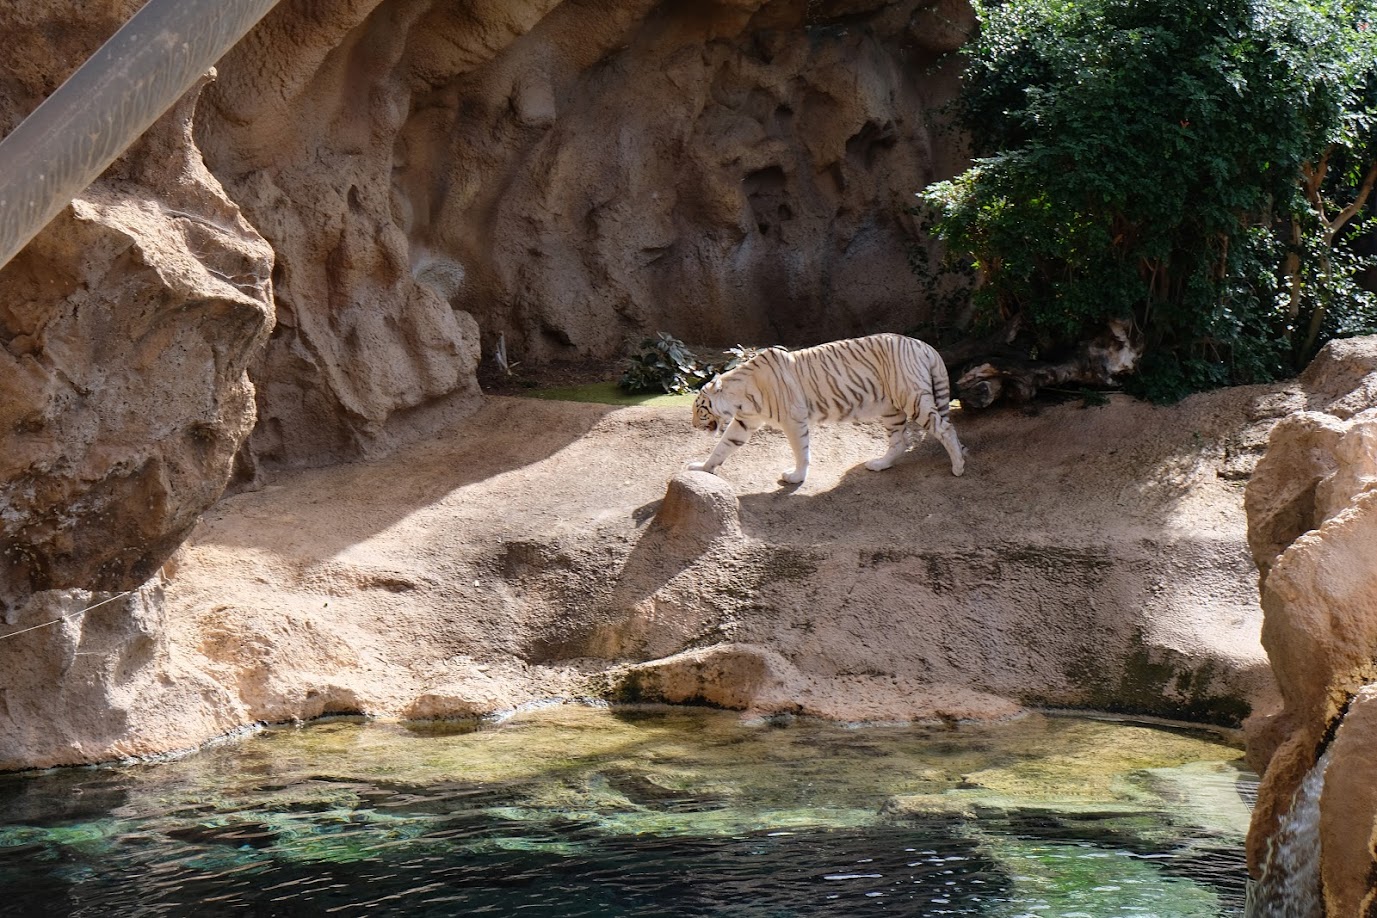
{"x": 794, "y": 476}
{"x": 878, "y": 465}
{"x": 701, "y": 467}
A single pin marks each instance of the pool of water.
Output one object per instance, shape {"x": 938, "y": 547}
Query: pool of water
{"x": 574, "y": 810}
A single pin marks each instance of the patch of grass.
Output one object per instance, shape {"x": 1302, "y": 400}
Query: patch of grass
{"x": 608, "y": 393}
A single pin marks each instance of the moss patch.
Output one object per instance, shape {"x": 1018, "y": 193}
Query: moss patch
{"x": 1157, "y": 682}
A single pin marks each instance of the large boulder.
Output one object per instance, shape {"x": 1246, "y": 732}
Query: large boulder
{"x": 1312, "y": 510}
{"x": 128, "y": 325}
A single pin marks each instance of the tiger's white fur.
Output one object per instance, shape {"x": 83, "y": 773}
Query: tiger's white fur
{"x": 898, "y": 379}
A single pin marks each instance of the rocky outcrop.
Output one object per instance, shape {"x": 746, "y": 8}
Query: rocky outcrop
{"x": 127, "y": 328}
{"x": 565, "y": 175}
{"x": 128, "y": 325}
{"x": 1312, "y": 513}
{"x": 755, "y": 678}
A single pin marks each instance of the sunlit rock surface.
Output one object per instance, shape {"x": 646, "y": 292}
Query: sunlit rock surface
{"x": 127, "y": 326}
{"x": 1312, "y": 509}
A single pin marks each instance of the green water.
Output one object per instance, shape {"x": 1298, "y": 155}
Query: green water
{"x": 572, "y": 810}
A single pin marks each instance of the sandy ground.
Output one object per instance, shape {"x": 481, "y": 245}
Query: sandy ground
{"x": 1089, "y": 557}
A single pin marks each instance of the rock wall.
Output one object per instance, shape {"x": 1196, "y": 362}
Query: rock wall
{"x": 1312, "y": 527}
{"x": 567, "y": 175}
{"x": 127, "y": 328}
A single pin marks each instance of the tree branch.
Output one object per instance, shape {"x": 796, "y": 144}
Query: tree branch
{"x": 1358, "y": 201}
{"x": 1314, "y": 178}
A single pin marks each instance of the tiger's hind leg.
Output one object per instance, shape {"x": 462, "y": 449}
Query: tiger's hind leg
{"x": 896, "y": 423}
{"x": 945, "y": 433}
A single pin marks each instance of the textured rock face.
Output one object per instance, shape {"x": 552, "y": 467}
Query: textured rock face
{"x": 565, "y": 175}
{"x": 127, "y": 326}
{"x": 1312, "y": 509}
{"x": 102, "y": 684}
{"x": 301, "y": 127}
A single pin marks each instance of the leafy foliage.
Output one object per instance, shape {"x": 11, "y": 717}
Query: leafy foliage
{"x": 946, "y": 282}
{"x": 666, "y": 364}
{"x": 1177, "y": 163}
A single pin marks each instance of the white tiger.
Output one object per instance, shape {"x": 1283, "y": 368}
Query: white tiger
{"x": 898, "y": 379}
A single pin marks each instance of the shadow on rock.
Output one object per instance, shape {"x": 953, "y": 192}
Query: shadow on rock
{"x": 656, "y": 606}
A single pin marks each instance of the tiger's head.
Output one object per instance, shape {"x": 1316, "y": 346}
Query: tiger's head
{"x": 705, "y": 416}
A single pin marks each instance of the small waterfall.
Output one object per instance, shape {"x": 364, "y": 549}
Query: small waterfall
{"x": 1290, "y": 884}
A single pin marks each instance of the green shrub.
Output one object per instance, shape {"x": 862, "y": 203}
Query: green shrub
{"x": 664, "y": 364}
{"x": 1183, "y": 164}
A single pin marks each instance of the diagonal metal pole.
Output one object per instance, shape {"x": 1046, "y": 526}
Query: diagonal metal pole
{"x": 101, "y": 109}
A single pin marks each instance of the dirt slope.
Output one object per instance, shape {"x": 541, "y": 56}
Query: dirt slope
{"x": 1089, "y": 556}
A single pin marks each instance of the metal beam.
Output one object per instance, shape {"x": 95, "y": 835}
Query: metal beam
{"x": 136, "y": 76}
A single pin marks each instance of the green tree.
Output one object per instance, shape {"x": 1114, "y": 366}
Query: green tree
{"x": 1135, "y": 159}
{"x": 1338, "y": 51}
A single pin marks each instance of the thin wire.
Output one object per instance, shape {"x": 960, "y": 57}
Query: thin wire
{"x": 64, "y": 618}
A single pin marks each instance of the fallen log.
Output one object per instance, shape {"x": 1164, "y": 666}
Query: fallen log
{"x": 1099, "y": 363}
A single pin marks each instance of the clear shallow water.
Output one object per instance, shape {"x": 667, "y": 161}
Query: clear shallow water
{"x": 577, "y": 811}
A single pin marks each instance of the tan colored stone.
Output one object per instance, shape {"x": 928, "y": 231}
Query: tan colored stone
{"x": 758, "y": 680}
{"x": 1342, "y": 379}
{"x": 1280, "y": 496}
{"x": 725, "y": 676}
{"x": 1320, "y": 605}
{"x": 128, "y": 325}
{"x": 1313, "y": 529}
{"x": 1355, "y": 457}
{"x": 698, "y": 508}
{"x": 102, "y": 685}
{"x": 1348, "y": 809}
